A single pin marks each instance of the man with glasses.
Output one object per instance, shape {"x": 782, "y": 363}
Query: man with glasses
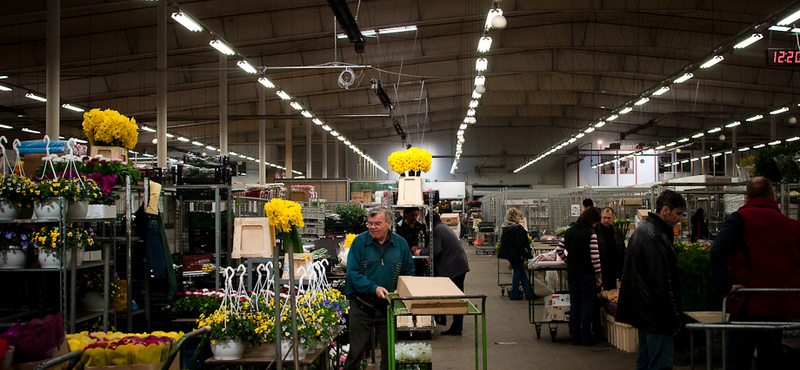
{"x": 377, "y": 259}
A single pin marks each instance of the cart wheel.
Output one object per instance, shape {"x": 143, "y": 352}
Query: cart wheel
{"x": 679, "y": 356}
{"x": 502, "y": 291}
{"x": 553, "y": 333}
{"x": 538, "y": 331}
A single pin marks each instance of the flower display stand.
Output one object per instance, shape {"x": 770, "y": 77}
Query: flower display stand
{"x": 409, "y": 191}
{"x": 109, "y": 152}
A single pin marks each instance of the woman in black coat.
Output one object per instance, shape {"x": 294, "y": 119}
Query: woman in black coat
{"x": 515, "y": 247}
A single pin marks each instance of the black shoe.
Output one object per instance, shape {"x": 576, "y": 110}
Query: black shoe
{"x": 451, "y": 332}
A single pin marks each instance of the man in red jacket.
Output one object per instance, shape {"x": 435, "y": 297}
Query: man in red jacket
{"x": 758, "y": 247}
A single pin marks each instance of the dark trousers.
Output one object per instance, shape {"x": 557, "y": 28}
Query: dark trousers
{"x": 742, "y": 344}
{"x": 655, "y": 351}
{"x": 362, "y": 321}
{"x": 581, "y": 298}
{"x": 458, "y": 320}
{"x": 520, "y": 276}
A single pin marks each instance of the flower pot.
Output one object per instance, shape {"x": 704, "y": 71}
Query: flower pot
{"x": 8, "y": 210}
{"x": 287, "y": 352}
{"x": 78, "y": 259}
{"x": 101, "y": 211}
{"x": 14, "y": 258}
{"x": 49, "y": 259}
{"x": 227, "y": 349}
{"x": 77, "y": 209}
{"x": 48, "y": 209}
{"x": 92, "y": 302}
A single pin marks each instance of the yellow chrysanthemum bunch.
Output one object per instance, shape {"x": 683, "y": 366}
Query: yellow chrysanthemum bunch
{"x": 283, "y": 214}
{"x": 413, "y": 159}
{"x": 108, "y": 127}
{"x": 348, "y": 240}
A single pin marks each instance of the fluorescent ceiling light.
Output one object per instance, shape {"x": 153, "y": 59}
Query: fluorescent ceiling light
{"x": 348, "y": 143}
{"x": 386, "y": 31}
{"x": 683, "y": 140}
{"x": 73, "y": 108}
{"x": 148, "y": 128}
{"x": 716, "y": 155}
{"x": 473, "y": 104}
{"x": 463, "y": 126}
{"x": 341, "y": 138}
{"x": 698, "y": 135}
{"x": 460, "y": 132}
{"x": 31, "y": 131}
{"x": 780, "y": 110}
{"x": 716, "y": 59}
{"x": 185, "y": 140}
{"x": 79, "y": 141}
{"x": 317, "y": 121}
{"x": 744, "y": 149}
{"x": 492, "y": 13}
{"x": 234, "y": 154}
{"x": 266, "y": 82}
{"x": 613, "y": 117}
{"x": 471, "y": 113}
{"x": 759, "y": 146}
{"x": 222, "y": 47}
{"x": 209, "y": 147}
{"x": 685, "y": 161}
{"x": 779, "y": 28}
{"x": 642, "y": 101}
{"x": 705, "y": 157}
{"x": 588, "y": 130}
{"x": 600, "y": 124}
{"x": 484, "y": 44}
{"x": 625, "y": 110}
{"x": 3, "y": 77}
{"x": 733, "y": 124}
{"x": 476, "y": 94}
{"x": 749, "y": 41}
{"x": 662, "y": 146}
{"x": 789, "y": 140}
{"x": 33, "y": 96}
{"x": 7, "y": 127}
{"x": 672, "y": 144}
{"x": 776, "y": 142}
{"x": 306, "y": 114}
{"x": 246, "y": 66}
{"x": 335, "y": 134}
{"x": 755, "y": 118}
{"x": 296, "y": 105}
{"x": 661, "y": 91}
{"x": 5, "y": 88}
{"x": 790, "y": 19}
{"x": 197, "y": 143}
{"x": 665, "y": 164}
{"x": 580, "y": 135}
{"x": 187, "y": 22}
{"x": 728, "y": 152}
{"x": 694, "y": 159}
{"x": 715, "y": 130}
{"x": 572, "y": 140}
{"x": 466, "y": 119}
{"x": 684, "y": 78}
{"x": 480, "y": 80}
{"x": 170, "y": 135}
{"x": 283, "y": 95}
{"x": 481, "y": 64}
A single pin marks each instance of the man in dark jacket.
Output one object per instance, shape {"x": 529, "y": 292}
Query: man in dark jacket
{"x": 757, "y": 247}
{"x": 612, "y": 256}
{"x": 649, "y": 297}
{"x": 414, "y": 231}
{"x": 449, "y": 259}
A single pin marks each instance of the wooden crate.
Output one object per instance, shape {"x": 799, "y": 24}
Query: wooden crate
{"x": 410, "y": 191}
{"x": 253, "y": 237}
{"x": 109, "y": 152}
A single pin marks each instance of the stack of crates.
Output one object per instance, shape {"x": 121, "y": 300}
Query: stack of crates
{"x": 314, "y": 220}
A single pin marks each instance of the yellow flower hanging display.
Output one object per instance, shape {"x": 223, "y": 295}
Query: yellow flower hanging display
{"x": 283, "y": 214}
{"x": 109, "y": 127}
{"x": 413, "y": 159}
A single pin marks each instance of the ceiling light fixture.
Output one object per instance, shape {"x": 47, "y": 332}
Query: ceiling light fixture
{"x": 600, "y": 124}
{"x": 335, "y": 134}
{"x": 30, "y": 131}
{"x": 779, "y": 28}
{"x": 480, "y": 80}
{"x": 661, "y": 91}
{"x": 733, "y": 124}
{"x": 5, "y": 88}
{"x": 494, "y": 12}
{"x": 580, "y": 135}
{"x": 684, "y": 78}
{"x": 33, "y": 96}
{"x": 716, "y": 155}
{"x": 642, "y": 101}
{"x": 296, "y": 105}
{"x": 714, "y": 130}
{"x": 749, "y": 41}
{"x": 779, "y": 110}
{"x": 317, "y": 121}
{"x": 744, "y": 149}
{"x": 246, "y": 66}
{"x": 776, "y": 142}
{"x": 471, "y": 113}
{"x": 612, "y": 117}
{"x": 672, "y": 144}
{"x": 221, "y": 47}
{"x": 170, "y": 135}
{"x": 7, "y": 127}
{"x": 197, "y": 143}
{"x": 755, "y": 118}
{"x": 698, "y": 135}
{"x": 476, "y": 94}
{"x": 187, "y": 22}
{"x": 484, "y": 44}
{"x": 266, "y": 82}
{"x": 148, "y": 128}
{"x": 481, "y": 64}
{"x": 463, "y": 126}
{"x": 790, "y": 19}
{"x": 283, "y": 95}
{"x": 73, "y": 108}
{"x": 625, "y": 110}
{"x": 185, "y": 140}
{"x": 711, "y": 62}
{"x": 473, "y": 104}
{"x": 683, "y": 140}
{"x": 588, "y": 130}
{"x": 759, "y": 146}
{"x": 390, "y": 30}
{"x": 789, "y": 140}
{"x": 306, "y": 114}
{"x": 662, "y": 146}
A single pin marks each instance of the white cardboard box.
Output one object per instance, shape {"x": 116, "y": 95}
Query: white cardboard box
{"x": 418, "y": 286}
{"x": 556, "y": 313}
{"x": 556, "y": 300}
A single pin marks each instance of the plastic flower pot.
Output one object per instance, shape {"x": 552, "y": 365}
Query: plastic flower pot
{"x": 8, "y": 210}
{"x": 13, "y": 258}
{"x": 227, "y": 349}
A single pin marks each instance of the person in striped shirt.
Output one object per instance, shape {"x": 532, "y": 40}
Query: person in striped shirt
{"x": 583, "y": 274}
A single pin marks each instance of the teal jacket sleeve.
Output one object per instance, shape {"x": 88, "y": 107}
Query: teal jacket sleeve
{"x": 356, "y": 273}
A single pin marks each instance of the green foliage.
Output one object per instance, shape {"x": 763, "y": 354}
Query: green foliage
{"x": 765, "y": 160}
{"x": 747, "y": 161}
{"x": 350, "y": 212}
{"x": 197, "y": 302}
{"x": 697, "y": 286}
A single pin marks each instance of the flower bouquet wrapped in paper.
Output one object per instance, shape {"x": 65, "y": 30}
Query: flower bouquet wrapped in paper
{"x": 114, "y": 349}
{"x": 37, "y": 339}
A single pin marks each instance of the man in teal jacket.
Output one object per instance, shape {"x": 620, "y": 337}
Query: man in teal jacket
{"x": 378, "y": 257}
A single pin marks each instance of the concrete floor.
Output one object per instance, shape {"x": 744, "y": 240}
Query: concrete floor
{"x": 510, "y": 337}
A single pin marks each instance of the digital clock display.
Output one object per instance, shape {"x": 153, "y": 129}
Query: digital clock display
{"x": 783, "y": 57}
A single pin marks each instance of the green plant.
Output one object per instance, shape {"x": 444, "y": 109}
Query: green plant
{"x": 197, "y": 302}
{"x": 694, "y": 268}
{"x": 350, "y": 212}
{"x": 50, "y": 238}
{"x": 765, "y": 160}
{"x": 16, "y": 189}
{"x": 747, "y": 161}
{"x": 226, "y": 324}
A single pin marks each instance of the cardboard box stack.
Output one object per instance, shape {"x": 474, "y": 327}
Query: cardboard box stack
{"x": 418, "y": 286}
{"x": 556, "y": 307}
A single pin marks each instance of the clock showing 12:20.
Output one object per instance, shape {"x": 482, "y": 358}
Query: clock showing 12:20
{"x": 783, "y": 57}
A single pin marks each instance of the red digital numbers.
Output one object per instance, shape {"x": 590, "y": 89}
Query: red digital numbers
{"x": 780, "y": 57}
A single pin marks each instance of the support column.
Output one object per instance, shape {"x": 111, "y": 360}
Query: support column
{"x": 288, "y": 149}
{"x": 335, "y": 160}
{"x": 262, "y": 137}
{"x": 324, "y": 154}
{"x": 702, "y": 153}
{"x": 223, "y": 104}
{"x": 734, "y": 152}
{"x": 161, "y": 92}
{"x": 309, "y": 127}
{"x": 53, "y": 74}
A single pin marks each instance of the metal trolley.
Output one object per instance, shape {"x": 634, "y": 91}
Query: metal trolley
{"x": 397, "y": 308}
{"x": 561, "y": 269}
{"x": 726, "y": 325}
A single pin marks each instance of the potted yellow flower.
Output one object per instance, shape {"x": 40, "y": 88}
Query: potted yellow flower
{"x": 411, "y": 161}
{"x": 107, "y": 129}
{"x": 15, "y": 192}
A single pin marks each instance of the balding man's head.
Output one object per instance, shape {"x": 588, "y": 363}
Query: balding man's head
{"x": 760, "y": 187}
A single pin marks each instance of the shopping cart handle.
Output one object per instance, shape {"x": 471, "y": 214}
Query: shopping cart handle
{"x": 72, "y": 357}
{"x": 177, "y": 347}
